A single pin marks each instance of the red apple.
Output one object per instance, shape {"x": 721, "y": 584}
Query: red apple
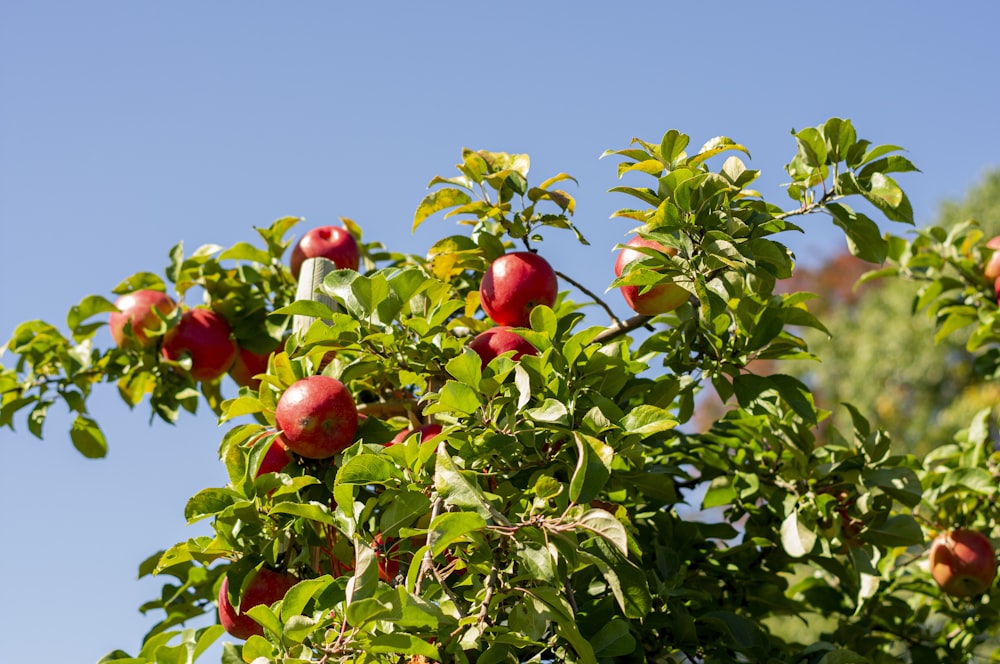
{"x": 963, "y": 562}
{"x": 660, "y": 298}
{"x": 331, "y": 242}
{"x": 275, "y": 458}
{"x": 514, "y": 284}
{"x": 247, "y": 365}
{"x": 497, "y": 341}
{"x": 140, "y": 307}
{"x": 206, "y": 338}
{"x": 992, "y": 269}
{"x": 266, "y": 587}
{"x": 317, "y": 416}
{"x": 426, "y": 431}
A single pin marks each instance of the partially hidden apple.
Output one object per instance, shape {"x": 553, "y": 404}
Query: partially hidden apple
{"x": 247, "y": 365}
{"x": 332, "y": 242}
{"x": 266, "y": 587}
{"x": 514, "y": 284}
{"x": 992, "y": 269}
{"x": 140, "y": 308}
{"x": 206, "y": 338}
{"x": 317, "y": 417}
{"x": 499, "y": 340}
{"x": 963, "y": 562}
{"x": 426, "y": 431}
{"x": 659, "y": 299}
{"x": 275, "y": 458}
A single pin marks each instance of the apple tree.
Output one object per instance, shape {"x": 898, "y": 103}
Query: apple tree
{"x": 445, "y": 458}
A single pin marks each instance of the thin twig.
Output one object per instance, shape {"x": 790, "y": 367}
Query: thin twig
{"x": 591, "y": 295}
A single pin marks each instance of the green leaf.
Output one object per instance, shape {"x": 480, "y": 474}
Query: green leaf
{"x": 263, "y": 615}
{"x": 313, "y": 511}
{"x": 367, "y": 469}
{"x": 796, "y": 538}
{"x": 454, "y": 488}
{"x": 672, "y": 146}
{"x": 593, "y": 468}
{"x": 898, "y": 530}
{"x": 613, "y": 639}
{"x": 976, "y": 480}
{"x": 437, "y": 201}
{"x": 89, "y": 306}
{"x": 455, "y": 397}
{"x": 88, "y": 438}
{"x": 603, "y": 523}
{"x": 208, "y": 502}
{"x": 449, "y": 527}
{"x": 551, "y": 411}
{"x": 864, "y": 239}
{"x": 645, "y": 420}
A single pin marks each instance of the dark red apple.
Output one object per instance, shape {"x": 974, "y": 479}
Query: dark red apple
{"x": 206, "y": 338}
{"x": 659, "y": 299}
{"x": 247, "y": 365}
{"x": 331, "y": 242}
{"x": 427, "y": 431}
{"x": 514, "y": 284}
{"x": 963, "y": 562}
{"x": 317, "y": 417}
{"x": 497, "y": 341}
{"x": 140, "y": 307}
{"x": 266, "y": 587}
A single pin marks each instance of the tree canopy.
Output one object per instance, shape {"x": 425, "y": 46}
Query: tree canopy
{"x": 563, "y": 507}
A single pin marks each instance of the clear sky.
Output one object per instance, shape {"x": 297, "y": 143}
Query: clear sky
{"x": 126, "y": 127}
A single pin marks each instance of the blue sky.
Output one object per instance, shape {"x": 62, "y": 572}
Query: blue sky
{"x": 126, "y": 127}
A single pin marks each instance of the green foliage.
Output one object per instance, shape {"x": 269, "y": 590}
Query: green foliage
{"x": 551, "y": 519}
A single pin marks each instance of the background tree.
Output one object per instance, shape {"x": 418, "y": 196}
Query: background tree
{"x": 877, "y": 352}
{"x": 528, "y": 505}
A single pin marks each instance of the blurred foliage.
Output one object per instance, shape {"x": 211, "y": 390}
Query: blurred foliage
{"x": 878, "y": 352}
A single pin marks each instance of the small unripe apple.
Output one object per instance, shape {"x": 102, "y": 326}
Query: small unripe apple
{"x": 963, "y": 562}
{"x": 332, "y": 242}
{"x": 206, "y": 338}
{"x": 514, "y": 284}
{"x": 497, "y": 341}
{"x": 659, "y": 299}
{"x": 426, "y": 431}
{"x": 317, "y": 417}
{"x": 140, "y": 307}
{"x": 992, "y": 269}
{"x": 266, "y": 587}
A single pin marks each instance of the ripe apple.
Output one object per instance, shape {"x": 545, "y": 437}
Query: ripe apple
{"x": 140, "y": 307}
{"x": 427, "y": 431}
{"x": 317, "y": 416}
{"x": 266, "y": 587}
{"x": 331, "y": 242}
{"x": 660, "y": 298}
{"x": 206, "y": 337}
{"x": 275, "y": 458}
{"x": 497, "y": 341}
{"x": 514, "y": 284}
{"x": 247, "y": 365}
{"x": 992, "y": 269}
{"x": 963, "y": 562}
